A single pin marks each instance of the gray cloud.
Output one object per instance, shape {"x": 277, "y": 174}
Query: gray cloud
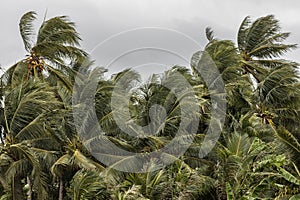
{"x": 99, "y": 19}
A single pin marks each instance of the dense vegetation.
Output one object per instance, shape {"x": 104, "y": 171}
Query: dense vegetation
{"x": 257, "y": 156}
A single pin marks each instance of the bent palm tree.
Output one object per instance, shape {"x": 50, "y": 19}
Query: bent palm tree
{"x": 54, "y": 47}
{"x": 259, "y": 43}
{"x": 28, "y": 113}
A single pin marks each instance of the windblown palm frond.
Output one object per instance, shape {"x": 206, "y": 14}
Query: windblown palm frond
{"x": 288, "y": 143}
{"x": 87, "y": 185}
{"x": 259, "y": 43}
{"x": 28, "y": 105}
{"x": 27, "y": 29}
{"x": 209, "y": 34}
{"x": 29, "y": 110}
{"x": 261, "y": 38}
{"x": 15, "y": 75}
{"x": 55, "y": 47}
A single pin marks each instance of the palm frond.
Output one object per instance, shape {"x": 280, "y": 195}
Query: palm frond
{"x": 59, "y": 30}
{"x": 87, "y": 185}
{"x": 242, "y": 33}
{"x": 27, "y": 29}
{"x": 15, "y": 75}
{"x": 209, "y": 34}
{"x": 21, "y": 117}
{"x": 289, "y": 142}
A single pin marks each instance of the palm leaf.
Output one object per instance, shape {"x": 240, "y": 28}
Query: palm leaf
{"x": 209, "y": 34}
{"x": 26, "y": 29}
{"x": 59, "y": 30}
{"x": 288, "y": 176}
{"x": 87, "y": 185}
{"x": 242, "y": 33}
{"x": 229, "y": 192}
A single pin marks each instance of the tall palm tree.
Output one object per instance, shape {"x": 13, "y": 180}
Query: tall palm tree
{"x": 53, "y": 48}
{"x": 260, "y": 45}
{"x": 275, "y": 89}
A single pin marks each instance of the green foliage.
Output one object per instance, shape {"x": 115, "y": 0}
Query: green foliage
{"x": 87, "y": 185}
{"x": 43, "y": 156}
{"x": 27, "y": 29}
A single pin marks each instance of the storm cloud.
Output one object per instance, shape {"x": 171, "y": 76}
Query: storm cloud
{"x": 98, "y": 20}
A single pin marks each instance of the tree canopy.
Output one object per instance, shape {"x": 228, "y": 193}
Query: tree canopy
{"x": 45, "y": 155}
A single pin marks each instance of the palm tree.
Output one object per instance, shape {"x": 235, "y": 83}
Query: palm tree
{"x": 238, "y": 87}
{"x": 74, "y": 158}
{"x": 259, "y": 44}
{"x": 87, "y": 184}
{"x": 276, "y": 82}
{"x": 53, "y": 49}
{"x": 275, "y": 91}
{"x": 28, "y": 115}
{"x": 46, "y": 154}
{"x": 251, "y": 168}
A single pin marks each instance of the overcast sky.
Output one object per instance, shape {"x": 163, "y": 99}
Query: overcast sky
{"x": 179, "y": 27}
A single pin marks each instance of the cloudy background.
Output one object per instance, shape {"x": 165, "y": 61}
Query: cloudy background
{"x": 114, "y": 31}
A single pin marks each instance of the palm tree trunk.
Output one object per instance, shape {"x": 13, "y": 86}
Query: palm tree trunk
{"x": 61, "y": 189}
{"x": 29, "y": 193}
{"x": 17, "y": 189}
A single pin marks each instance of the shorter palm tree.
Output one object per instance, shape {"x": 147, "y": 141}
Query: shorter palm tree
{"x": 28, "y": 111}
{"x": 87, "y": 184}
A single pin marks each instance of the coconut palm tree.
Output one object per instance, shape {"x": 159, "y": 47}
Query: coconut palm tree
{"x": 251, "y": 168}
{"x": 260, "y": 45}
{"x": 49, "y": 148}
{"x": 74, "y": 158}
{"x": 276, "y": 82}
{"x": 275, "y": 90}
{"x": 51, "y": 51}
{"x": 87, "y": 184}
{"x": 29, "y": 112}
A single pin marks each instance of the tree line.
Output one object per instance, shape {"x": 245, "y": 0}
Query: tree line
{"x": 42, "y": 155}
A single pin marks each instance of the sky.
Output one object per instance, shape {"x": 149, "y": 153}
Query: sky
{"x": 149, "y": 36}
